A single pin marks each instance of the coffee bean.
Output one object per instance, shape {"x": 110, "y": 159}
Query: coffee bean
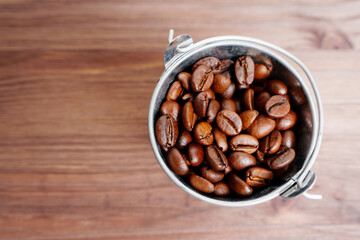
{"x": 201, "y": 184}
{"x": 203, "y": 133}
{"x": 185, "y": 80}
{"x": 244, "y": 71}
{"x": 212, "y": 62}
{"x": 248, "y": 117}
{"x": 276, "y": 87}
{"x": 228, "y": 104}
{"x": 171, "y": 108}
{"x": 237, "y": 101}
{"x": 210, "y": 93}
{"x": 213, "y": 109}
{"x": 258, "y": 177}
{"x": 211, "y": 175}
{"x": 174, "y": 91}
{"x": 166, "y": 131}
{"x": 261, "y": 99}
{"x": 229, "y": 92}
{"x": 277, "y": 106}
{"x": 201, "y": 103}
{"x": 177, "y": 162}
{"x": 280, "y": 173}
{"x": 239, "y": 186}
{"x": 281, "y": 159}
{"x": 184, "y": 139}
{"x": 196, "y": 154}
{"x": 222, "y": 189}
{"x": 260, "y": 156}
{"x": 220, "y": 83}
{"x": 226, "y": 65}
{"x": 229, "y": 122}
{"x": 271, "y": 143}
{"x": 241, "y": 160}
{"x": 287, "y": 122}
{"x": 165, "y": 149}
{"x": 188, "y": 116}
{"x": 188, "y": 97}
{"x": 245, "y": 143}
{"x": 258, "y": 85}
{"x": 216, "y": 158}
{"x": 288, "y": 139}
{"x": 202, "y": 78}
{"x": 220, "y": 140}
{"x": 261, "y": 71}
{"x": 248, "y": 99}
{"x": 261, "y": 127}
{"x": 297, "y": 96}
{"x": 186, "y": 158}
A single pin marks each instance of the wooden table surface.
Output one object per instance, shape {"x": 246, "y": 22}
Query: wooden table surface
{"x": 76, "y": 78}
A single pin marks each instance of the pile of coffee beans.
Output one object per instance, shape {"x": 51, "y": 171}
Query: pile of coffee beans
{"x": 226, "y": 126}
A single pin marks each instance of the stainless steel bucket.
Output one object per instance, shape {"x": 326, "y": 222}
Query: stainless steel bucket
{"x": 182, "y": 53}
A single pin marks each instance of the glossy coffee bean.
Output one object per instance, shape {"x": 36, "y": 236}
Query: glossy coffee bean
{"x": 248, "y": 117}
{"x": 222, "y": 189}
{"x": 216, "y": 158}
{"x": 213, "y": 109}
{"x": 226, "y": 65}
{"x": 210, "y": 93}
{"x": 241, "y": 160}
{"x": 288, "y": 139}
{"x": 185, "y": 80}
{"x": 287, "y": 122}
{"x": 261, "y": 99}
{"x": 271, "y": 143}
{"x": 202, "y": 78}
{"x": 239, "y": 186}
{"x": 196, "y": 154}
{"x": 281, "y": 172}
{"x": 297, "y": 96}
{"x": 244, "y": 143}
{"x": 201, "y": 103}
{"x": 277, "y": 106}
{"x": 166, "y": 131}
{"x": 177, "y": 162}
{"x": 201, "y": 184}
{"x": 186, "y": 158}
{"x": 261, "y": 71}
{"x": 184, "y": 139}
{"x": 230, "y": 91}
{"x": 171, "y": 108}
{"x": 237, "y": 101}
{"x": 276, "y": 87}
{"x": 261, "y": 127}
{"x": 220, "y": 140}
{"x": 281, "y": 159}
{"x": 211, "y": 175}
{"x": 248, "y": 99}
{"x": 244, "y": 71}
{"x": 188, "y": 97}
{"x": 174, "y": 91}
{"x": 220, "y": 83}
{"x": 212, "y": 62}
{"x": 260, "y": 156}
{"x": 203, "y": 133}
{"x": 188, "y": 116}
{"x": 228, "y": 104}
{"x": 229, "y": 122}
{"x": 258, "y": 177}
{"x": 258, "y": 85}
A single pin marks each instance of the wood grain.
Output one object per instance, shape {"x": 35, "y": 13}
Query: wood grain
{"x": 76, "y": 78}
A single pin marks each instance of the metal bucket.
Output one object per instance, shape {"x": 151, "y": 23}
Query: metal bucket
{"x": 182, "y": 53}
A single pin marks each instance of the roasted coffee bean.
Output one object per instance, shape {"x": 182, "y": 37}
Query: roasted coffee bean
{"x": 165, "y": 149}
{"x": 186, "y": 158}
{"x": 288, "y": 139}
{"x": 248, "y": 99}
{"x": 259, "y": 85}
{"x": 212, "y": 62}
{"x": 244, "y": 143}
{"x": 261, "y": 127}
{"x": 237, "y": 101}
{"x": 201, "y": 103}
{"x": 261, "y": 59}
{"x": 239, "y": 186}
{"x": 211, "y": 175}
{"x": 297, "y": 96}
{"x": 166, "y": 131}
{"x": 174, "y": 91}
{"x": 281, "y": 159}
{"x": 203, "y": 133}
{"x": 271, "y": 143}
{"x": 188, "y": 116}
{"x": 230, "y": 91}
{"x": 244, "y": 71}
{"x": 280, "y": 173}
{"x": 196, "y": 154}
{"x": 220, "y": 140}
{"x": 228, "y": 104}
{"x": 287, "y": 122}
{"x": 210, "y": 93}
{"x": 261, "y": 99}
{"x": 241, "y": 160}
{"x": 188, "y": 97}
{"x": 185, "y": 80}
{"x": 201, "y": 184}
{"x": 171, "y": 108}
{"x": 248, "y": 117}
{"x": 226, "y": 65}
{"x": 260, "y": 156}
{"x": 177, "y": 162}
{"x": 229, "y": 122}
{"x": 202, "y": 78}
{"x": 261, "y": 71}
{"x": 258, "y": 177}
{"x": 221, "y": 83}
{"x": 216, "y": 158}
{"x": 222, "y": 189}
{"x": 276, "y": 87}
{"x": 184, "y": 139}
{"x": 213, "y": 109}
{"x": 277, "y": 106}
